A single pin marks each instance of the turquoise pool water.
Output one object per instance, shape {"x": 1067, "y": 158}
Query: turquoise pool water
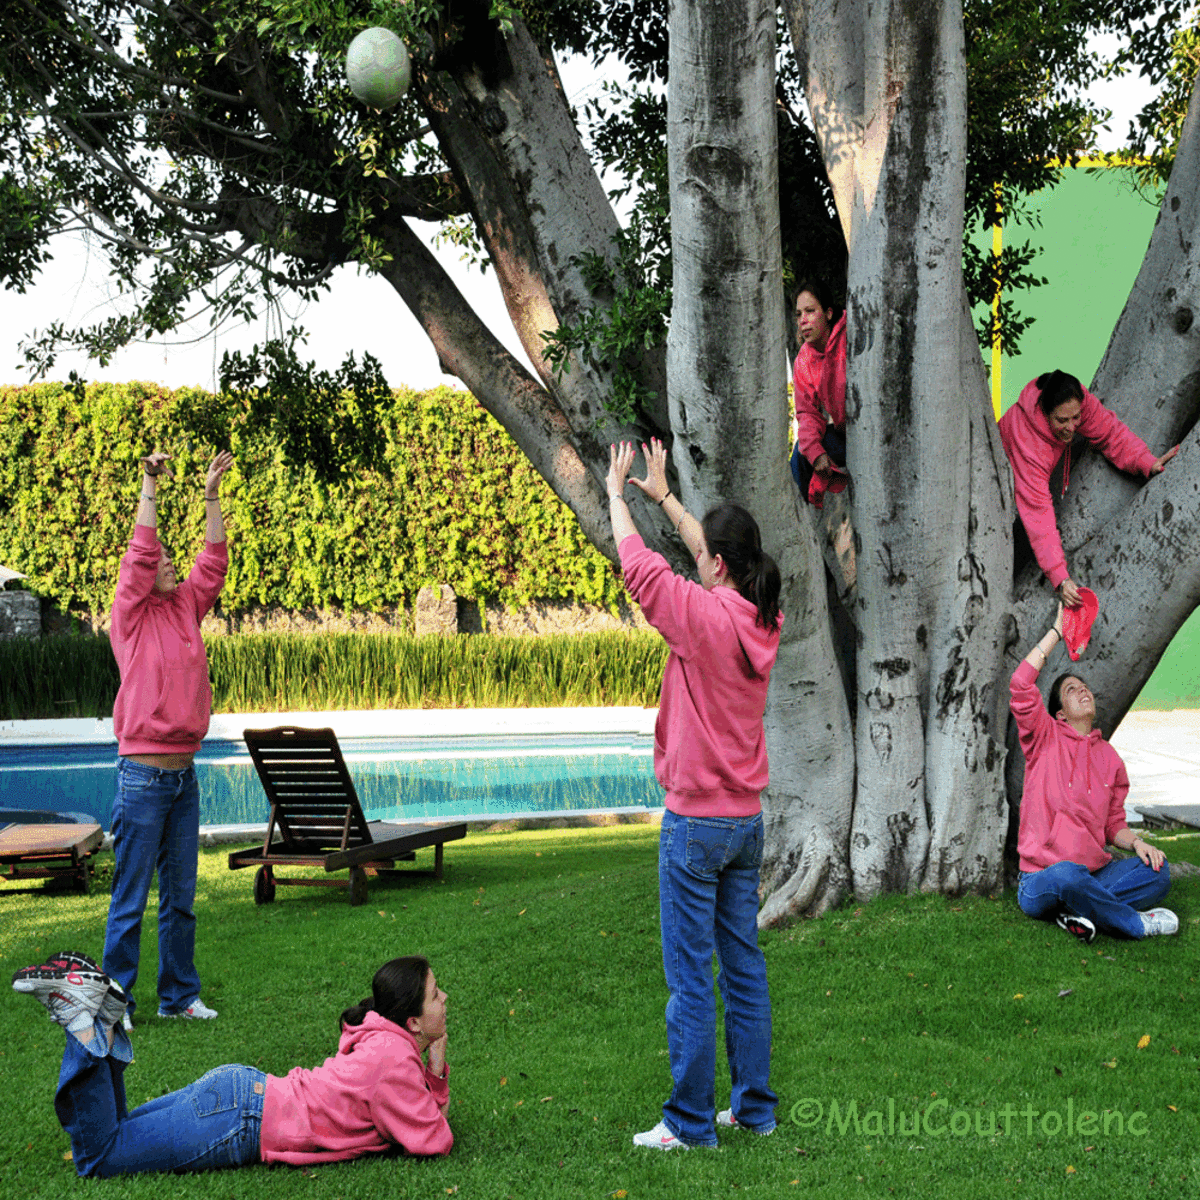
{"x": 396, "y": 778}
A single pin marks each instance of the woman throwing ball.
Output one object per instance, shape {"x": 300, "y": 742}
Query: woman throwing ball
{"x": 1037, "y": 432}
{"x": 710, "y": 755}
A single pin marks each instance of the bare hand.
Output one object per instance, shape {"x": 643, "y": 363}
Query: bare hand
{"x": 823, "y": 467}
{"x": 216, "y": 469}
{"x": 437, "y": 1056}
{"x": 1159, "y": 463}
{"x": 1152, "y": 856}
{"x": 655, "y": 484}
{"x": 1069, "y": 593}
{"x": 620, "y": 459}
{"x": 155, "y": 465}
{"x": 1057, "y": 626}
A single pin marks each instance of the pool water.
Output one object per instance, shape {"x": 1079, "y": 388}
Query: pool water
{"x": 396, "y": 778}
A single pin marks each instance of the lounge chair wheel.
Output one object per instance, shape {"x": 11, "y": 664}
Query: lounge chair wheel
{"x": 358, "y": 886}
{"x": 264, "y": 886}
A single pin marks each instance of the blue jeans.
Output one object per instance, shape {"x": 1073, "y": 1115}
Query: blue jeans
{"x": 214, "y": 1122}
{"x": 708, "y": 893}
{"x": 155, "y": 826}
{"x": 833, "y": 443}
{"x": 1110, "y": 897}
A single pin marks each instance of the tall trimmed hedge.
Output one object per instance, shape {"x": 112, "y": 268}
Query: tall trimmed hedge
{"x": 454, "y": 502}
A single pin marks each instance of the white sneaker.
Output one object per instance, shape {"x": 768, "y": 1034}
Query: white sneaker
{"x": 1081, "y": 927}
{"x": 659, "y": 1138}
{"x": 196, "y": 1011}
{"x": 70, "y": 988}
{"x": 726, "y": 1118}
{"x": 1159, "y": 920}
{"x": 127, "y": 1023}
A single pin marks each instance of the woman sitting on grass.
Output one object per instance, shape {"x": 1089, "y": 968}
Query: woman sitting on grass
{"x": 1073, "y": 805}
{"x": 374, "y": 1094}
{"x": 711, "y": 757}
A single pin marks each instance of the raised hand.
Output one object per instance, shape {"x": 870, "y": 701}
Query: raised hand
{"x": 655, "y": 484}
{"x": 216, "y": 469}
{"x": 620, "y": 459}
{"x": 156, "y": 464}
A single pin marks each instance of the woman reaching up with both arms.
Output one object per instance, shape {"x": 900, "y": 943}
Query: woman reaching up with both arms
{"x": 710, "y": 756}
{"x": 1037, "y": 432}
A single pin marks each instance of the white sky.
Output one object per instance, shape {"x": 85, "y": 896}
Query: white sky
{"x": 360, "y": 313}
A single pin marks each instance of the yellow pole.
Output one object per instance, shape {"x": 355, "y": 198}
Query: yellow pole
{"x": 997, "y": 247}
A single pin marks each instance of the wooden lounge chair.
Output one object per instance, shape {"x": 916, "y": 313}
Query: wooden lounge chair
{"x": 56, "y": 851}
{"x": 318, "y": 820}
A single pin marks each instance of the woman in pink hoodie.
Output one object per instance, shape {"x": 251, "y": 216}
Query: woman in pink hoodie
{"x": 386, "y": 1087}
{"x": 1073, "y": 805}
{"x": 710, "y": 756}
{"x": 1037, "y": 432}
{"x": 160, "y": 716}
{"x": 818, "y": 390}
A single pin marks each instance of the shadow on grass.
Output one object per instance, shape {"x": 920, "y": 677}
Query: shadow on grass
{"x": 547, "y": 943}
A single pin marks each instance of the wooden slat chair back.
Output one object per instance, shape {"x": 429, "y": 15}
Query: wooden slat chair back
{"x": 313, "y": 802}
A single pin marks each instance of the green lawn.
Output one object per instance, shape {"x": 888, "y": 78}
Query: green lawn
{"x": 547, "y": 943}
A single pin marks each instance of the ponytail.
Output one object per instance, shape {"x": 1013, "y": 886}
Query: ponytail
{"x": 730, "y": 531}
{"x": 397, "y": 992}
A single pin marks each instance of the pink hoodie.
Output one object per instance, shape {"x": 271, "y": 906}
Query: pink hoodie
{"x": 819, "y": 387}
{"x": 1033, "y": 451}
{"x": 374, "y": 1094}
{"x": 710, "y": 753}
{"x": 165, "y": 700}
{"x": 1075, "y": 786}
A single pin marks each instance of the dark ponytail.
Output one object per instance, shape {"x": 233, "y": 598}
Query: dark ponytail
{"x": 397, "y": 992}
{"x": 731, "y": 532}
{"x": 1057, "y": 387}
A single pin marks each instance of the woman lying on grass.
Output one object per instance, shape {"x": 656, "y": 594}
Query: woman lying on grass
{"x": 374, "y": 1094}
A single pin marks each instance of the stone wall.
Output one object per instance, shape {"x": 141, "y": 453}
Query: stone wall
{"x": 20, "y": 615}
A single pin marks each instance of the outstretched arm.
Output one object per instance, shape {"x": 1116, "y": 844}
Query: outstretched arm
{"x": 153, "y": 465}
{"x": 1036, "y": 657}
{"x": 214, "y": 524}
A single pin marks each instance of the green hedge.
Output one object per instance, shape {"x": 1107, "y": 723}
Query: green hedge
{"x": 454, "y": 502}
{"x": 274, "y": 672}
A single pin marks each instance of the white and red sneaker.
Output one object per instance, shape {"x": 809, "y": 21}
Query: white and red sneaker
{"x": 71, "y": 987}
{"x": 196, "y": 1011}
{"x": 659, "y": 1138}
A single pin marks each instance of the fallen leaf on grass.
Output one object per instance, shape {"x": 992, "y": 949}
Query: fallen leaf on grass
{"x": 1019, "y": 996}
{"x": 68, "y": 1157}
{"x": 1065, "y": 992}
{"x": 522, "y": 912}
{"x": 544, "y": 1099}
{"x": 1172, "y": 1108}
{"x": 1143, "y": 1041}
{"x": 1111, "y": 1064}
{"x": 451, "y": 1190}
{"x": 503, "y": 1080}
{"x": 1070, "y": 1170}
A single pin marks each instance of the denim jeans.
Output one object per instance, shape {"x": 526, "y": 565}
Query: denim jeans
{"x": 155, "y": 826}
{"x": 1110, "y": 897}
{"x": 214, "y": 1122}
{"x": 708, "y": 892}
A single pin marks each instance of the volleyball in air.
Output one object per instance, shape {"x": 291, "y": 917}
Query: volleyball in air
{"x": 378, "y": 68}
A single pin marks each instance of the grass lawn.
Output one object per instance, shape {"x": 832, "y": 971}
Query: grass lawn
{"x": 547, "y": 943}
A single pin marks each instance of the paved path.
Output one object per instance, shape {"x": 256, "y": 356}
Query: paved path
{"x": 1162, "y": 755}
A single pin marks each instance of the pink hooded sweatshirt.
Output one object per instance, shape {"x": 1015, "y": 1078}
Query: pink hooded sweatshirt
{"x": 1033, "y": 451}
{"x": 374, "y": 1094}
{"x": 1075, "y": 786}
{"x": 165, "y": 700}
{"x": 819, "y": 388}
{"x": 710, "y": 753}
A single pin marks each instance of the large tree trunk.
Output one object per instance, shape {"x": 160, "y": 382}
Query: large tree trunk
{"x": 726, "y": 367}
{"x": 887, "y": 89}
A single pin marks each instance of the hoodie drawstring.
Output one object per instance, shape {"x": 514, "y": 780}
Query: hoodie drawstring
{"x": 1067, "y": 470}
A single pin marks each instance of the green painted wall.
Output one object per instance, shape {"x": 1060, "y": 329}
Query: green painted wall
{"x": 1094, "y": 231}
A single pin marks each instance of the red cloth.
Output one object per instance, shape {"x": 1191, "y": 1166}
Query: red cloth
{"x": 1073, "y": 804}
{"x": 819, "y": 390}
{"x": 1077, "y": 623}
{"x": 374, "y": 1094}
{"x": 165, "y": 700}
{"x": 1033, "y": 452}
{"x": 817, "y": 487}
{"x": 710, "y": 753}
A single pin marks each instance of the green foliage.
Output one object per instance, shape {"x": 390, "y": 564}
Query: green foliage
{"x": 451, "y": 500}
{"x": 321, "y": 672}
{"x": 548, "y": 945}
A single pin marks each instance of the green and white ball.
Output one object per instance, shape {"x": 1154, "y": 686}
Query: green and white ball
{"x": 378, "y": 67}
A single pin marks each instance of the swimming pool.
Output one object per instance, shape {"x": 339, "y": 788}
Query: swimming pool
{"x": 413, "y": 766}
